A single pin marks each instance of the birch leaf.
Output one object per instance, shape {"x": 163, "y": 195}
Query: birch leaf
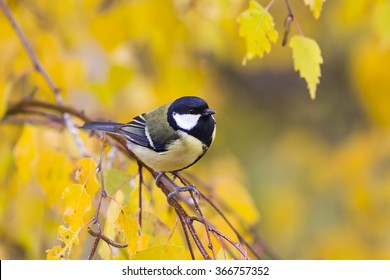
{"x": 307, "y": 59}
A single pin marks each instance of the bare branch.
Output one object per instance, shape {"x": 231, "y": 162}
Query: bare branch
{"x": 165, "y": 183}
{"x": 38, "y": 67}
{"x": 141, "y": 180}
{"x": 220, "y": 234}
{"x": 287, "y": 25}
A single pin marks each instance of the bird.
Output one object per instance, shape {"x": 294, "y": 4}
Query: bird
{"x": 170, "y": 138}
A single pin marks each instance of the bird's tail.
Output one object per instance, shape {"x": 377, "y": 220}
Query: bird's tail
{"x": 109, "y": 127}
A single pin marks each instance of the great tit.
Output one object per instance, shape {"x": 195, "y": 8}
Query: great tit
{"x": 170, "y": 138}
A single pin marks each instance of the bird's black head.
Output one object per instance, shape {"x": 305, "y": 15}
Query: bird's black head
{"x": 192, "y": 115}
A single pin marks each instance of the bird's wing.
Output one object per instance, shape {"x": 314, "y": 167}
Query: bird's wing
{"x": 137, "y": 132}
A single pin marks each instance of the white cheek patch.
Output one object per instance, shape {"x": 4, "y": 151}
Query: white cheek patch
{"x": 186, "y": 121}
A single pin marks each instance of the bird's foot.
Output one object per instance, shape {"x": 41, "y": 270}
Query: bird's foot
{"x": 158, "y": 178}
{"x": 179, "y": 189}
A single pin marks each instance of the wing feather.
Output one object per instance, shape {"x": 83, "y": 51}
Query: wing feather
{"x": 137, "y": 132}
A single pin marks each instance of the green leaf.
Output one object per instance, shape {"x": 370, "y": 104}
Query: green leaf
{"x": 258, "y": 28}
{"x": 307, "y": 59}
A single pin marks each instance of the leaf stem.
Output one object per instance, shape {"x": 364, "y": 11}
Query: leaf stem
{"x": 269, "y": 5}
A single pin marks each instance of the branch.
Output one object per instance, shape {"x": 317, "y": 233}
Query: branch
{"x": 197, "y": 208}
{"x": 38, "y": 67}
{"x": 165, "y": 183}
{"x": 99, "y": 235}
{"x": 220, "y": 234}
{"x": 287, "y": 24}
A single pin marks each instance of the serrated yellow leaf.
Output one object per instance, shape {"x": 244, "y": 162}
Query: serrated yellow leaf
{"x": 56, "y": 253}
{"x": 315, "y": 7}
{"x": 77, "y": 204}
{"x": 258, "y": 28}
{"x": 307, "y": 59}
{"x": 69, "y": 238}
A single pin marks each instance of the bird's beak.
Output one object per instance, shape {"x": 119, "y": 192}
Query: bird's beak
{"x": 208, "y": 112}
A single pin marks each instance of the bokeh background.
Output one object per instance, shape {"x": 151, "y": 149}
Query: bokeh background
{"x": 317, "y": 171}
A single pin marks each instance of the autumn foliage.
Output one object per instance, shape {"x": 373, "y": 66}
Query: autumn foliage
{"x": 290, "y": 175}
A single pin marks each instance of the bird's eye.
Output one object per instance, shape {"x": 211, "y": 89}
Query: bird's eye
{"x": 192, "y": 111}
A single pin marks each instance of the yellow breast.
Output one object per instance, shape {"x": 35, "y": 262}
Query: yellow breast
{"x": 181, "y": 153}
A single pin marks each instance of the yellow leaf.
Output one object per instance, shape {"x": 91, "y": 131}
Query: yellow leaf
{"x": 53, "y": 172}
{"x": 26, "y": 154}
{"x": 258, "y": 28}
{"x": 115, "y": 178}
{"x": 163, "y": 252}
{"x": 56, "y": 253}
{"x": 84, "y": 174}
{"x": 315, "y": 6}
{"x": 4, "y": 93}
{"x": 381, "y": 23}
{"x": 127, "y": 224}
{"x": 69, "y": 238}
{"x": 307, "y": 59}
{"x": 239, "y": 199}
{"x": 109, "y": 227}
{"x": 77, "y": 203}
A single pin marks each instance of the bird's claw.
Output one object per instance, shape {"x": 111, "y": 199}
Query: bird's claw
{"x": 190, "y": 188}
{"x": 179, "y": 189}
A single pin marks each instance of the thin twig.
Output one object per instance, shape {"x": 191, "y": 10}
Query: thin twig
{"x": 164, "y": 180}
{"x": 287, "y": 23}
{"x": 223, "y": 216}
{"x": 217, "y": 232}
{"x": 106, "y": 239}
{"x": 197, "y": 208}
{"x": 141, "y": 180}
{"x": 48, "y": 116}
{"x": 186, "y": 235}
{"x": 59, "y": 108}
{"x": 184, "y": 181}
{"x": 94, "y": 247}
{"x": 103, "y": 193}
{"x": 269, "y": 5}
{"x": 100, "y": 236}
{"x": 291, "y": 15}
{"x": 239, "y": 236}
{"x": 38, "y": 67}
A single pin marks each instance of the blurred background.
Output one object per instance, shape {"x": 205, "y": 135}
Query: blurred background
{"x": 317, "y": 171}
